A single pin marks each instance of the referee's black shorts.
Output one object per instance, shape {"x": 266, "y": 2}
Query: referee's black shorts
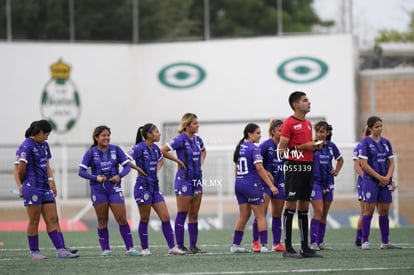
{"x": 298, "y": 180}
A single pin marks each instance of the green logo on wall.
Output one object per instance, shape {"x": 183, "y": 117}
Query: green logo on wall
{"x": 181, "y": 75}
{"x": 60, "y": 103}
{"x": 302, "y": 69}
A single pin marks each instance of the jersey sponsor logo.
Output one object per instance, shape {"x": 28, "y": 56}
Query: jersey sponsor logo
{"x": 181, "y": 75}
{"x": 297, "y": 126}
{"x": 60, "y": 103}
{"x": 302, "y": 69}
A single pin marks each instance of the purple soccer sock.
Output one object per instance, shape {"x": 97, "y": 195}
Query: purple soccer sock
{"x": 56, "y": 239}
{"x": 143, "y": 234}
{"x": 255, "y": 231}
{"x": 314, "y": 230}
{"x": 168, "y": 233}
{"x": 384, "y": 225}
{"x": 263, "y": 237}
{"x": 366, "y": 227}
{"x": 193, "y": 232}
{"x": 322, "y": 231}
{"x": 179, "y": 228}
{"x": 103, "y": 235}
{"x": 125, "y": 231}
{"x": 237, "y": 237}
{"x": 63, "y": 239}
{"x": 33, "y": 242}
{"x": 276, "y": 229}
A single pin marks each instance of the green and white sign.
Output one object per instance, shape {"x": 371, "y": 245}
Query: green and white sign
{"x": 181, "y": 75}
{"x": 303, "y": 69}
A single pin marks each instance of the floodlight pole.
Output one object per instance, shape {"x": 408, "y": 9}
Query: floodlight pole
{"x": 279, "y": 17}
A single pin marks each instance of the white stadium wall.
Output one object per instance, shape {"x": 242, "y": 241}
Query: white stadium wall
{"x": 124, "y": 86}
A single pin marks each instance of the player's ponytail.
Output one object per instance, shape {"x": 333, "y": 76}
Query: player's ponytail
{"x": 143, "y": 131}
{"x": 250, "y": 128}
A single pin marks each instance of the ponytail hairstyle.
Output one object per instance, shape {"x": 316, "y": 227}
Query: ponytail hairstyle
{"x": 249, "y": 129}
{"x": 274, "y": 123}
{"x": 186, "y": 121}
{"x": 143, "y": 131}
{"x": 98, "y": 130}
{"x": 366, "y": 131}
{"x": 37, "y": 126}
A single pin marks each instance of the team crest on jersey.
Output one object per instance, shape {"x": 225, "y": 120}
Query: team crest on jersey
{"x": 113, "y": 155}
{"x": 60, "y": 103}
{"x": 386, "y": 147}
{"x": 35, "y": 198}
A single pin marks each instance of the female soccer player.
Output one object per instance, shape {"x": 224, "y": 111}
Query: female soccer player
{"x": 191, "y": 154}
{"x": 38, "y": 189}
{"x": 360, "y": 173}
{"x": 248, "y": 187}
{"x": 377, "y": 162}
{"x": 104, "y": 159}
{"x": 273, "y": 164}
{"x": 148, "y": 161}
{"x": 323, "y": 185}
{"x": 50, "y": 179}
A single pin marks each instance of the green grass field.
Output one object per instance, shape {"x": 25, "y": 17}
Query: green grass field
{"x": 345, "y": 258}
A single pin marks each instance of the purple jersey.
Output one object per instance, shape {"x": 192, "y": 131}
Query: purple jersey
{"x": 147, "y": 159}
{"x": 189, "y": 152}
{"x": 36, "y": 157}
{"x": 271, "y": 162}
{"x": 104, "y": 162}
{"x": 322, "y": 164}
{"x": 249, "y": 155}
{"x": 377, "y": 155}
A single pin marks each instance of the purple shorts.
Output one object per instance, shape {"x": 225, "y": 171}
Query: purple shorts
{"x": 107, "y": 192}
{"x": 322, "y": 192}
{"x": 247, "y": 193}
{"x": 145, "y": 196}
{"x": 372, "y": 193}
{"x": 279, "y": 196}
{"x": 188, "y": 188}
{"x": 36, "y": 196}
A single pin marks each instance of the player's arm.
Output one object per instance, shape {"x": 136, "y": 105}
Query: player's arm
{"x": 357, "y": 167}
{"x": 165, "y": 150}
{"x": 338, "y": 166}
{"x": 265, "y": 177}
{"x": 368, "y": 169}
{"x": 17, "y": 179}
{"x": 50, "y": 179}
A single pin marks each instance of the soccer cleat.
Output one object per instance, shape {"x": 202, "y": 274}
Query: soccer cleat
{"x": 146, "y": 252}
{"x": 314, "y": 246}
{"x": 237, "y": 249}
{"x": 309, "y": 253}
{"x": 291, "y": 253}
{"x": 106, "y": 253}
{"x": 389, "y": 246}
{"x": 322, "y": 246}
{"x": 256, "y": 246}
{"x": 64, "y": 254}
{"x": 133, "y": 252}
{"x": 358, "y": 243}
{"x": 365, "y": 246}
{"x": 196, "y": 250}
{"x": 71, "y": 250}
{"x": 184, "y": 249}
{"x": 279, "y": 247}
{"x": 35, "y": 255}
{"x": 176, "y": 251}
{"x": 264, "y": 249}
